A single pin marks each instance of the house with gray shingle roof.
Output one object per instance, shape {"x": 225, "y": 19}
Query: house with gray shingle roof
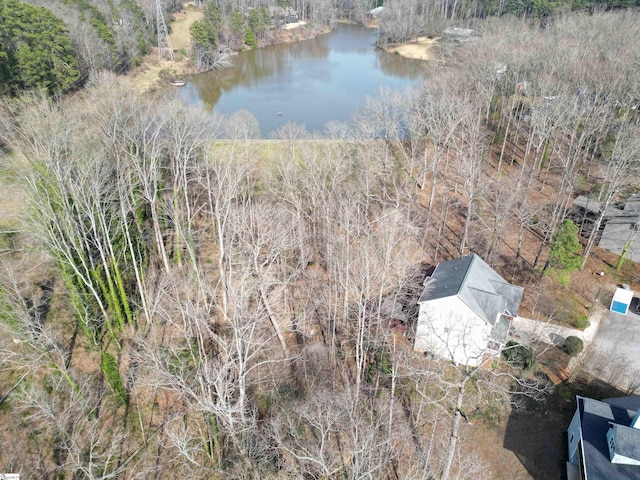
{"x": 465, "y": 311}
{"x": 620, "y": 227}
{"x": 604, "y": 439}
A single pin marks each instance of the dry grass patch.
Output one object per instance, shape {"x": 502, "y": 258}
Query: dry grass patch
{"x": 13, "y": 201}
{"x": 182, "y": 21}
{"x": 153, "y": 73}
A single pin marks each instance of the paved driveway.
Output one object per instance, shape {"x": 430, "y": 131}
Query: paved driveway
{"x": 614, "y": 355}
{"x": 527, "y": 329}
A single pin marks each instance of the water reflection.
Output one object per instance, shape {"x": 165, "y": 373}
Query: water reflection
{"x": 396, "y": 65}
{"x": 311, "y": 82}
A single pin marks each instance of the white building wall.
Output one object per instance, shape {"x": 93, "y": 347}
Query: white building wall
{"x": 616, "y": 457}
{"x": 447, "y": 327}
{"x": 573, "y": 436}
{"x": 624, "y": 460}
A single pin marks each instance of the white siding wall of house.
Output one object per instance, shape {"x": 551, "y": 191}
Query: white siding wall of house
{"x": 573, "y": 436}
{"x": 448, "y": 328}
{"x": 611, "y": 444}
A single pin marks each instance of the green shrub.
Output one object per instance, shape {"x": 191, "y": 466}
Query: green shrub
{"x": 264, "y": 401}
{"x": 565, "y": 256}
{"x": 580, "y": 321}
{"x": 563, "y": 391}
{"x": 535, "y": 220}
{"x": 8, "y": 241}
{"x": 111, "y": 372}
{"x": 379, "y": 366}
{"x": 488, "y": 412}
{"x": 497, "y": 139}
{"x": 567, "y": 307}
{"x": 518, "y": 355}
{"x": 573, "y": 346}
{"x": 250, "y": 39}
{"x": 5, "y": 406}
{"x": 562, "y": 277}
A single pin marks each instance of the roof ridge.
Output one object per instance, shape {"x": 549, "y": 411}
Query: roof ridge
{"x": 497, "y": 294}
{"x": 466, "y": 274}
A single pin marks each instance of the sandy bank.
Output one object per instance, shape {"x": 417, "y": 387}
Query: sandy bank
{"x": 291, "y": 26}
{"x": 421, "y": 48}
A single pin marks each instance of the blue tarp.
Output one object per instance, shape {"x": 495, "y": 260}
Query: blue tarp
{"x": 621, "y": 300}
{"x": 619, "y": 307}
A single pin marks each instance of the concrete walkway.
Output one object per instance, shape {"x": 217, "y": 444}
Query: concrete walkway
{"x": 613, "y": 356}
{"x": 527, "y": 329}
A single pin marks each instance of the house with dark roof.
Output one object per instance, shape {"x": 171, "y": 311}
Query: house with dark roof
{"x": 466, "y": 311}
{"x": 284, "y": 16}
{"x": 604, "y": 439}
{"x": 619, "y": 229}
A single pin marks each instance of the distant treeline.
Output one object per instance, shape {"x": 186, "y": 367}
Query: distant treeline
{"x": 179, "y": 300}
{"x": 56, "y": 45}
{"x": 543, "y": 8}
{"x": 403, "y": 20}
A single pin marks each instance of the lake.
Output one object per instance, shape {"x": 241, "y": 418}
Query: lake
{"x": 311, "y": 82}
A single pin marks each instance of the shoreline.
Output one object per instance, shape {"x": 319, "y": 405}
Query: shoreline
{"x": 154, "y": 74}
{"x": 419, "y": 49}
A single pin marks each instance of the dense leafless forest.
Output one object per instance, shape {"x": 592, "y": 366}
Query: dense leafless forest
{"x": 180, "y": 300}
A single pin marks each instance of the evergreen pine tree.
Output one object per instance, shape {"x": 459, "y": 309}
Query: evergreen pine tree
{"x": 250, "y": 38}
{"x": 565, "y": 257}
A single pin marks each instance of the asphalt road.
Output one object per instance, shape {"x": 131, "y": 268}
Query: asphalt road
{"x": 614, "y": 355}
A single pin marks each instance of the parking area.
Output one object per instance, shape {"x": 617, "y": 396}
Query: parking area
{"x": 614, "y": 354}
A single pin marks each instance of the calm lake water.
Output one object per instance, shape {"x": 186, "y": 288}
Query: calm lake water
{"x": 310, "y": 82}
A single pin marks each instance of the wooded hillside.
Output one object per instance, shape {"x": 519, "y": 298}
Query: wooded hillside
{"x": 178, "y": 299}
{"x": 59, "y": 45}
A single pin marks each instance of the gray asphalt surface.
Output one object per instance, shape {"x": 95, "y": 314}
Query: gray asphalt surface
{"x": 614, "y": 355}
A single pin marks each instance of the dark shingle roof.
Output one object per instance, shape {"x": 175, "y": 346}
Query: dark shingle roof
{"x": 628, "y": 443}
{"x": 617, "y": 230}
{"x": 595, "y": 416}
{"x": 476, "y": 284}
{"x": 631, "y": 402}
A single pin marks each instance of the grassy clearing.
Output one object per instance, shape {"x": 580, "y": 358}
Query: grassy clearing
{"x": 13, "y": 200}
{"x": 153, "y": 73}
{"x": 267, "y": 153}
{"x": 182, "y": 21}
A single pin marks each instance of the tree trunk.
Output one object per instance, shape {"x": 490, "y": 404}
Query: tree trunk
{"x": 455, "y": 429}
{"x": 627, "y": 246}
